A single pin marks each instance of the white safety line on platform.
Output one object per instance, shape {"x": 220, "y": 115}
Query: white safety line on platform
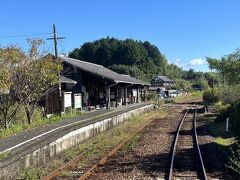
{"x": 40, "y": 135}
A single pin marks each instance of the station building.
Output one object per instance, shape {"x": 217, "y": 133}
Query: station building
{"x": 88, "y": 86}
{"x": 162, "y": 85}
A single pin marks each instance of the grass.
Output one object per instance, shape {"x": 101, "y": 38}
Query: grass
{"x": 99, "y": 145}
{"x": 223, "y": 138}
{"x": 225, "y": 141}
{"x": 38, "y": 122}
{"x": 131, "y": 145}
{"x": 191, "y": 95}
{"x": 31, "y": 173}
{"x": 4, "y": 154}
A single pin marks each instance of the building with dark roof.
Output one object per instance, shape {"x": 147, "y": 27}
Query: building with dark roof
{"x": 95, "y": 86}
{"x": 160, "y": 82}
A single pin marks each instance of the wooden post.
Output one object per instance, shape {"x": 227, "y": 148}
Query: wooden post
{"x": 131, "y": 101}
{"x": 55, "y": 38}
{"x": 108, "y": 97}
{"x": 125, "y": 95}
{"x": 137, "y": 95}
{"x": 116, "y": 96}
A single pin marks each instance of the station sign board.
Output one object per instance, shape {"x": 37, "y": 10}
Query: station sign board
{"x": 67, "y": 99}
{"x": 77, "y": 101}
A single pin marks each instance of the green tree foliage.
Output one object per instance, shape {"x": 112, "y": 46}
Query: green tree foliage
{"x": 230, "y": 94}
{"x": 133, "y": 71}
{"x": 11, "y": 58}
{"x": 228, "y": 67}
{"x": 139, "y": 59}
{"x": 173, "y": 71}
{"x": 29, "y": 76}
{"x": 209, "y": 98}
{"x": 182, "y": 84}
{"x": 235, "y": 119}
{"x": 36, "y": 75}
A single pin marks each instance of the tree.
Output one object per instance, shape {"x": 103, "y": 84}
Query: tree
{"x": 35, "y": 77}
{"x": 182, "y": 84}
{"x": 228, "y": 66}
{"x": 11, "y": 58}
{"x": 27, "y": 78}
{"x": 231, "y": 94}
{"x": 144, "y": 59}
{"x": 4, "y": 77}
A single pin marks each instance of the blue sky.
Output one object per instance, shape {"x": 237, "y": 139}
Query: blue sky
{"x": 185, "y": 31}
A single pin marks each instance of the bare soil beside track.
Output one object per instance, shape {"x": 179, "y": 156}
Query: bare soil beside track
{"x": 213, "y": 158}
{"x": 150, "y": 158}
{"x": 147, "y": 156}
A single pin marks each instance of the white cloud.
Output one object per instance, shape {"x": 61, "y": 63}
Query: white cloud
{"x": 177, "y": 60}
{"x": 197, "y": 61}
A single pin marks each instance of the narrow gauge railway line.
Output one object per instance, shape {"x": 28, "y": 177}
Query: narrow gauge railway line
{"x": 84, "y": 173}
{"x": 186, "y": 158}
{"x": 78, "y": 172}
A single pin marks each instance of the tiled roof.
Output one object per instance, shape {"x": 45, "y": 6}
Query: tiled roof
{"x": 162, "y": 78}
{"x": 101, "y": 71}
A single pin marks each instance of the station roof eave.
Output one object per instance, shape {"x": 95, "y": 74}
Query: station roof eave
{"x": 64, "y": 79}
{"x": 101, "y": 71}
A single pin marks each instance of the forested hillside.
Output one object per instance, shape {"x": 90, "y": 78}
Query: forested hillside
{"x": 136, "y": 58}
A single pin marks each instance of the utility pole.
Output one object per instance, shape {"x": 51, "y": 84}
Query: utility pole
{"x": 55, "y": 38}
{"x": 223, "y": 71}
{"x": 212, "y": 88}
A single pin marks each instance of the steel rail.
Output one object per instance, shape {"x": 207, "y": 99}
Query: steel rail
{"x": 198, "y": 148}
{"x": 175, "y": 145}
{"x": 119, "y": 146}
{"x": 64, "y": 166}
{"x": 102, "y": 161}
{"x": 197, "y": 144}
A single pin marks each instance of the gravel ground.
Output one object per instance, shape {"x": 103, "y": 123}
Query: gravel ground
{"x": 186, "y": 162}
{"x": 150, "y": 159}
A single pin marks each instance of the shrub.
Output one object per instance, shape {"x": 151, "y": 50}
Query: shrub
{"x": 209, "y": 98}
{"x": 234, "y": 159}
{"x": 151, "y": 96}
{"x": 196, "y": 94}
{"x": 235, "y": 120}
{"x": 230, "y": 94}
{"x": 223, "y": 112}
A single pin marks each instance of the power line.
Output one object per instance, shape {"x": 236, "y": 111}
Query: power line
{"x": 24, "y": 35}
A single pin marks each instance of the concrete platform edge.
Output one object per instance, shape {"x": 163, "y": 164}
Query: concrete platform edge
{"x": 37, "y": 153}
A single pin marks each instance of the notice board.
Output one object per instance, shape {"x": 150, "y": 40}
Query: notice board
{"x": 67, "y": 99}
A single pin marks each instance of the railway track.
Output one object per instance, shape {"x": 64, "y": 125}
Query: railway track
{"x": 186, "y": 161}
{"x": 186, "y": 158}
{"x": 83, "y": 173}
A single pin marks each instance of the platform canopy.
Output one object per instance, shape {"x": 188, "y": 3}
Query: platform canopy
{"x": 100, "y": 71}
{"x": 64, "y": 79}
